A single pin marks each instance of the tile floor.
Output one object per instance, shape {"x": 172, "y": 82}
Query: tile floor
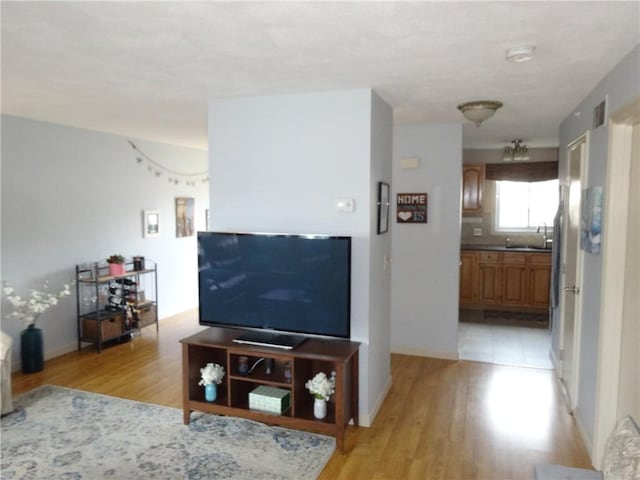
{"x": 504, "y": 345}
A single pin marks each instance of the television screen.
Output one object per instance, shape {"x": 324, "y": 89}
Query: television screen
{"x": 289, "y": 283}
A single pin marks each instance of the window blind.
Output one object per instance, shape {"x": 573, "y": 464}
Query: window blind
{"x": 522, "y": 172}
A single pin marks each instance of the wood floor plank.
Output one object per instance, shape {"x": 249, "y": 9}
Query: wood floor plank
{"x": 442, "y": 419}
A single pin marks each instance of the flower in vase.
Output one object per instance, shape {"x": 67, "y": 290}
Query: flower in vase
{"x": 211, "y": 373}
{"x": 321, "y": 387}
{"x": 27, "y": 310}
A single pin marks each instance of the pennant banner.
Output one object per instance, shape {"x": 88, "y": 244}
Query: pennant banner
{"x": 174, "y": 177}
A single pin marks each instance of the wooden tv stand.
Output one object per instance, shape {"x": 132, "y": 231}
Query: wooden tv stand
{"x": 314, "y": 355}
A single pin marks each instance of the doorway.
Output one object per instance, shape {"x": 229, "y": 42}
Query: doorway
{"x": 504, "y": 269}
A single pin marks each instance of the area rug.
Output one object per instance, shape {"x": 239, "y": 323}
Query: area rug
{"x": 61, "y": 433}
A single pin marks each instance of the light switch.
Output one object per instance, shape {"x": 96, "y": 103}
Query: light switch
{"x": 477, "y": 232}
{"x": 345, "y": 205}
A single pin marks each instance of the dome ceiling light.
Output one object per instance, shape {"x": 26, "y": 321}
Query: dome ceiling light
{"x": 517, "y": 153}
{"x": 520, "y": 54}
{"x": 480, "y": 110}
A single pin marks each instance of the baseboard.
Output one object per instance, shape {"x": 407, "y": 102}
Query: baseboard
{"x": 555, "y": 361}
{"x": 419, "y": 352}
{"x": 588, "y": 443}
{"x": 16, "y": 366}
{"x": 366, "y": 420}
{"x": 71, "y": 347}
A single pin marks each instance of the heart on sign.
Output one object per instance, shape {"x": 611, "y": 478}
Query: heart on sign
{"x": 404, "y": 216}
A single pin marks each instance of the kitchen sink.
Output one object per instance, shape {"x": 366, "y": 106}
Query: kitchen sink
{"x": 533, "y": 247}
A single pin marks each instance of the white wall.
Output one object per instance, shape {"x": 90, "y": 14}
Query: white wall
{"x": 424, "y": 280}
{"x": 380, "y": 272}
{"x": 72, "y": 196}
{"x": 279, "y": 162}
{"x": 619, "y": 86}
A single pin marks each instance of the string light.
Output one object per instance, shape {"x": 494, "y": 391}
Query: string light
{"x": 174, "y": 177}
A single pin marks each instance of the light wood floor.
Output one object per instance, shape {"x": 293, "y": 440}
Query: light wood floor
{"x": 442, "y": 419}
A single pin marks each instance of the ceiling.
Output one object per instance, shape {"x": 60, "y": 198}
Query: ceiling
{"x": 147, "y": 69}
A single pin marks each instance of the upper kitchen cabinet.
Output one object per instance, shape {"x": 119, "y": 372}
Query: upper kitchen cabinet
{"x": 472, "y": 187}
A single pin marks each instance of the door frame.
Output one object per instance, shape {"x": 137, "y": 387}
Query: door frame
{"x": 572, "y": 390}
{"x": 614, "y": 247}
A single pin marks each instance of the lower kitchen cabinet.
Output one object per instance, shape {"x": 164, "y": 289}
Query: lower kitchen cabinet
{"x": 539, "y": 281}
{"x": 489, "y": 283}
{"x": 468, "y": 278}
{"x": 512, "y": 280}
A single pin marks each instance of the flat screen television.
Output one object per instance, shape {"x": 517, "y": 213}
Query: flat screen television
{"x": 275, "y": 285}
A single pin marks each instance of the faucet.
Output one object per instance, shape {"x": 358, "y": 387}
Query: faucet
{"x": 544, "y": 235}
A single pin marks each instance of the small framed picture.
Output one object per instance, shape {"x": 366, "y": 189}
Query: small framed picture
{"x": 150, "y": 223}
{"x": 412, "y": 207}
{"x": 184, "y": 216}
{"x": 383, "y": 207}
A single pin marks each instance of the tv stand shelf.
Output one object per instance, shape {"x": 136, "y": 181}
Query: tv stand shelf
{"x": 314, "y": 355}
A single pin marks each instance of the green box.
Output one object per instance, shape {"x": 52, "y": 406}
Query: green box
{"x": 270, "y": 399}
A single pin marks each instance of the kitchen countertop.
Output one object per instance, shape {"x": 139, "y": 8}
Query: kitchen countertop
{"x": 503, "y": 248}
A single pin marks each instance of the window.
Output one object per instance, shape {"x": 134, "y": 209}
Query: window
{"x": 523, "y": 206}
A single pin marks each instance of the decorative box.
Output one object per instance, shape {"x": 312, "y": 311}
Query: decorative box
{"x": 111, "y": 325}
{"x": 146, "y": 314}
{"x": 270, "y": 399}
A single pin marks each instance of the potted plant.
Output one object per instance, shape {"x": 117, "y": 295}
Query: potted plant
{"x": 321, "y": 387}
{"x": 116, "y": 265}
{"x": 210, "y": 376}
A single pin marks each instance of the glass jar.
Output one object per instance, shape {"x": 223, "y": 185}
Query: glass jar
{"x": 287, "y": 372}
{"x": 243, "y": 365}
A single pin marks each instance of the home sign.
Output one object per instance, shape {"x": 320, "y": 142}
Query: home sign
{"x": 412, "y": 208}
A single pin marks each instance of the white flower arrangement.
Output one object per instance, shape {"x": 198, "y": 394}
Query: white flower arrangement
{"x": 321, "y": 387}
{"x": 212, "y": 373}
{"x": 27, "y": 310}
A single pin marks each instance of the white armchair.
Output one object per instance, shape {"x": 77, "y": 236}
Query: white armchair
{"x": 6, "y": 401}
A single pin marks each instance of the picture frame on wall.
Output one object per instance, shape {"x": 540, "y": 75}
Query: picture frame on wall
{"x": 184, "y": 217}
{"x": 411, "y": 208}
{"x": 591, "y": 220}
{"x": 383, "y": 207}
{"x": 150, "y": 223}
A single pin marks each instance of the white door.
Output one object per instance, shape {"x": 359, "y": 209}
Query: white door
{"x": 570, "y": 290}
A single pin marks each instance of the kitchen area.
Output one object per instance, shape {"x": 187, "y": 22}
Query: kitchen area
{"x": 506, "y": 249}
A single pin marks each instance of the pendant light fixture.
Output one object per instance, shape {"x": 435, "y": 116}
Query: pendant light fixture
{"x": 480, "y": 110}
{"x": 517, "y": 153}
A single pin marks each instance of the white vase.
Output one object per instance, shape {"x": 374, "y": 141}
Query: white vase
{"x": 319, "y": 408}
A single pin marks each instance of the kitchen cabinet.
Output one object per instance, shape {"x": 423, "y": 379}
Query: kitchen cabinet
{"x": 539, "y": 280}
{"x": 518, "y": 281}
{"x": 468, "y": 278}
{"x": 513, "y": 281}
{"x": 472, "y": 188}
{"x": 489, "y": 278}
